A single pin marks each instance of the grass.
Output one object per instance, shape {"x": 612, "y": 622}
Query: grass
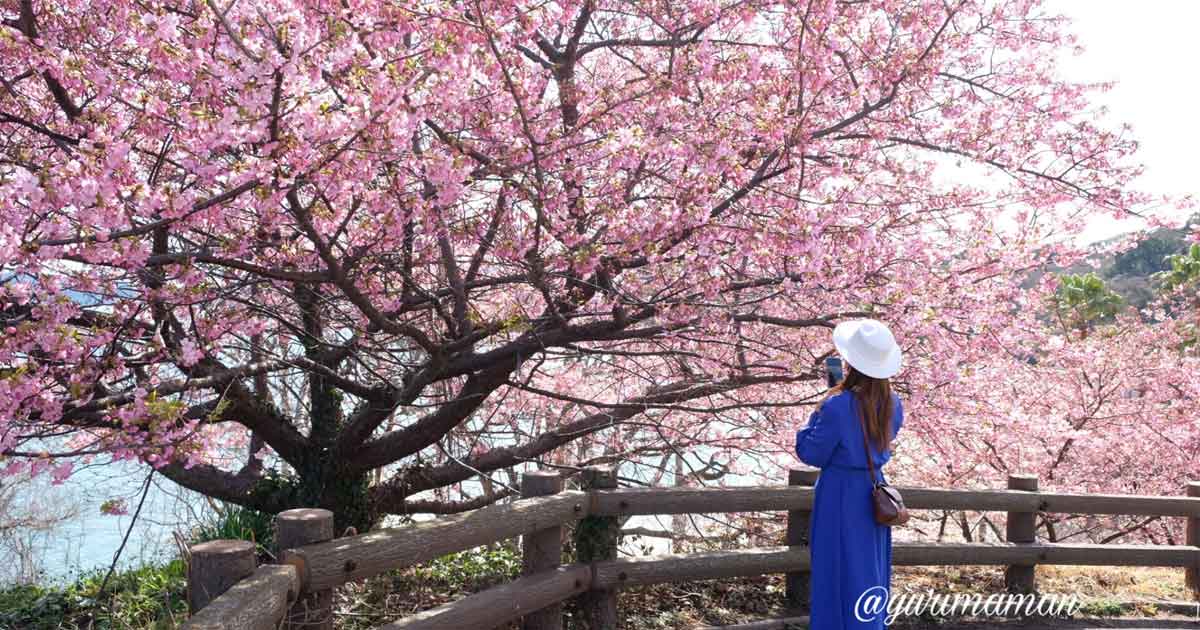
{"x": 1101, "y": 608}
{"x": 145, "y": 597}
{"x": 234, "y": 522}
{"x": 151, "y": 596}
{"x": 400, "y": 593}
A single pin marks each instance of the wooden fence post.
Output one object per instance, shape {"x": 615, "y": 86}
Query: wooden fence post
{"x": 296, "y": 528}
{"x": 542, "y": 550}
{"x": 596, "y": 539}
{"x": 1021, "y": 529}
{"x": 797, "y": 591}
{"x": 1193, "y": 539}
{"x": 214, "y": 566}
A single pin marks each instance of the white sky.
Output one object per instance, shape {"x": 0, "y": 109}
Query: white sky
{"x": 1152, "y": 49}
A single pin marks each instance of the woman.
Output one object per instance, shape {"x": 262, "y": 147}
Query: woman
{"x": 851, "y": 553}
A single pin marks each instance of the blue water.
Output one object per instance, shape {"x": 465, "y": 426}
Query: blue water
{"x": 89, "y": 540}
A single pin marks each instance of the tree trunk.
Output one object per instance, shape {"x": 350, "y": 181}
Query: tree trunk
{"x": 322, "y": 483}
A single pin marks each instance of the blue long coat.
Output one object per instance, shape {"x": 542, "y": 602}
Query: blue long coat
{"x": 850, "y": 552}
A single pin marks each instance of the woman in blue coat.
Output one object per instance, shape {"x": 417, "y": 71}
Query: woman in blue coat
{"x": 851, "y": 553}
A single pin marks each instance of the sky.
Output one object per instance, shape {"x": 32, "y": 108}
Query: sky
{"x": 1151, "y": 48}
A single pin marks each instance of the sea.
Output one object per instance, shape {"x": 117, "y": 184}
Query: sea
{"x": 83, "y": 539}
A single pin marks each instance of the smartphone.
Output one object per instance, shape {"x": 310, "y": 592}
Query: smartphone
{"x": 833, "y": 370}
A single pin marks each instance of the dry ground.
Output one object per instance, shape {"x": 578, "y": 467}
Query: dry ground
{"x": 1114, "y": 598}
{"x": 1108, "y": 594}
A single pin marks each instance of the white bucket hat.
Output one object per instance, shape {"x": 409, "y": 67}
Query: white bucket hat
{"x": 868, "y": 346}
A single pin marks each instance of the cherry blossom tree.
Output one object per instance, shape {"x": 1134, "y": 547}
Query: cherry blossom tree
{"x": 358, "y": 254}
{"x": 1095, "y": 406}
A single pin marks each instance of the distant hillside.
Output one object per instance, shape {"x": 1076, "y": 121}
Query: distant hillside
{"x": 1129, "y": 273}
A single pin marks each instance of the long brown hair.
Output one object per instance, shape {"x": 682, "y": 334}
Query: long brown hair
{"x": 874, "y": 402}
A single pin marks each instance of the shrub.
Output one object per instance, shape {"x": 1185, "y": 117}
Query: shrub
{"x": 143, "y": 597}
{"x": 238, "y": 523}
{"x": 151, "y": 596}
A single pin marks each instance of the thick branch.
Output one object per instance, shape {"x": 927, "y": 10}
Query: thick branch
{"x": 391, "y": 496}
{"x": 430, "y": 428}
{"x": 239, "y": 488}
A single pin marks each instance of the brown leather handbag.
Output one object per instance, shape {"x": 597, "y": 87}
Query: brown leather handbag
{"x": 889, "y": 505}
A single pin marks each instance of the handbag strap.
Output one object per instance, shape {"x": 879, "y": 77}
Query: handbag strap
{"x": 866, "y": 446}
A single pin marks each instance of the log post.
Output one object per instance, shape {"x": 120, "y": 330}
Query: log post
{"x": 214, "y": 566}
{"x": 1019, "y": 578}
{"x": 313, "y": 610}
{"x": 798, "y": 523}
{"x": 1193, "y": 539}
{"x": 596, "y": 539}
{"x": 542, "y": 550}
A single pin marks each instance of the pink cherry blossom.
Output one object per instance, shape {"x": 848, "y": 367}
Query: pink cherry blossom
{"x": 415, "y": 248}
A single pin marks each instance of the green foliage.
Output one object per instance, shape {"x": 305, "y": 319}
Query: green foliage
{"x": 33, "y": 607}
{"x": 1102, "y": 608}
{"x": 596, "y": 537}
{"x": 151, "y": 596}
{"x": 1083, "y": 300}
{"x": 145, "y": 597}
{"x": 234, "y": 522}
{"x": 1182, "y": 269}
{"x": 395, "y": 594}
{"x": 319, "y": 485}
{"x": 467, "y": 569}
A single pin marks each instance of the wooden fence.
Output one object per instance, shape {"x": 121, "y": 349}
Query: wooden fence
{"x": 226, "y": 590}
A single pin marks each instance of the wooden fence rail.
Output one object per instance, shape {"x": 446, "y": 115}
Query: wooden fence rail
{"x": 644, "y": 501}
{"x": 504, "y": 603}
{"x": 333, "y": 563}
{"x": 263, "y": 599}
{"x": 257, "y": 602}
